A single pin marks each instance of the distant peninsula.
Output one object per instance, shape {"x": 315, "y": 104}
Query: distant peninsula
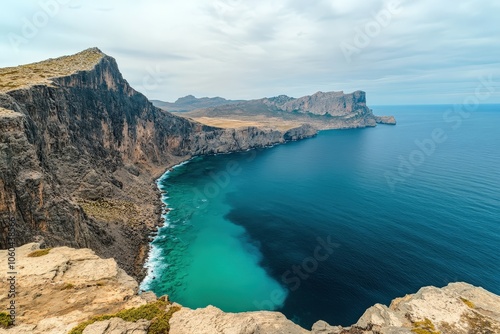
{"x": 322, "y": 110}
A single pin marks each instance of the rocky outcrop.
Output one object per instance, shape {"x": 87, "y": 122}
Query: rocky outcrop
{"x": 79, "y": 152}
{"x": 211, "y": 320}
{"x": 385, "y": 120}
{"x": 320, "y": 103}
{"x": 298, "y": 133}
{"x": 61, "y": 288}
{"x": 331, "y": 104}
{"x": 458, "y": 308}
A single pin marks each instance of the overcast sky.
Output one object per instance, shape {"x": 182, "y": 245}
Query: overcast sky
{"x": 399, "y": 52}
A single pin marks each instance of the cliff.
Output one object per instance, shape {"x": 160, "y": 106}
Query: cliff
{"x": 329, "y": 103}
{"x": 80, "y": 149}
{"x": 63, "y": 290}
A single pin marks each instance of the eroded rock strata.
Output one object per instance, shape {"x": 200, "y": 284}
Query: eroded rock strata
{"x": 62, "y": 288}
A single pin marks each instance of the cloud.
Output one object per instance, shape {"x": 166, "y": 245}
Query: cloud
{"x": 426, "y": 52}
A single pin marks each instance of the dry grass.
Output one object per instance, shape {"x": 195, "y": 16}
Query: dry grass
{"x": 480, "y": 324}
{"x": 111, "y": 210}
{"x": 12, "y": 78}
{"x": 424, "y": 327}
{"x": 260, "y": 122}
{"x": 227, "y": 123}
{"x": 467, "y": 302}
{"x": 68, "y": 286}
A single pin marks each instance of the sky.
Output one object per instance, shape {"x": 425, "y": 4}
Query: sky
{"x": 398, "y": 51}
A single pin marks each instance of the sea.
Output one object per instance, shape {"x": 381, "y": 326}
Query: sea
{"x": 326, "y": 227}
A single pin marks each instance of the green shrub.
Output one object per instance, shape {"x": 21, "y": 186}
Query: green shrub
{"x": 5, "y": 320}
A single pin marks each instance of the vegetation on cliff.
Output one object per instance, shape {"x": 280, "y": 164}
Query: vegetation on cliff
{"x": 40, "y": 73}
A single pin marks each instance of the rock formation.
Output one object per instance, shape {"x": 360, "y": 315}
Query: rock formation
{"x": 61, "y": 288}
{"x": 329, "y": 103}
{"x": 80, "y": 149}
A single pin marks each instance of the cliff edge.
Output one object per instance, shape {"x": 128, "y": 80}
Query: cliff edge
{"x": 64, "y": 290}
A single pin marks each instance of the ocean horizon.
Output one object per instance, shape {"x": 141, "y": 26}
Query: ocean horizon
{"x": 323, "y": 228}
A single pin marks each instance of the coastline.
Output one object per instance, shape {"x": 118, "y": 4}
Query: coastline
{"x": 148, "y": 265}
{"x": 163, "y": 209}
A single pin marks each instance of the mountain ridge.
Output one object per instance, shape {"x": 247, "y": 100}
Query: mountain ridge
{"x": 190, "y": 102}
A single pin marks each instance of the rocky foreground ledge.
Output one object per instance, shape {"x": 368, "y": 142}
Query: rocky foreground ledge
{"x": 64, "y": 290}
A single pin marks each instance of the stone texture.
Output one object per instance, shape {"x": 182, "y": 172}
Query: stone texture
{"x": 385, "y": 120}
{"x": 58, "y": 290}
{"x": 117, "y": 326}
{"x": 320, "y": 103}
{"x": 211, "y": 320}
{"x": 322, "y": 327}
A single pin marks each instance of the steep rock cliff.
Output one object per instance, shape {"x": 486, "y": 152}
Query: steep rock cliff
{"x": 345, "y": 107}
{"x": 320, "y": 103}
{"x": 80, "y": 149}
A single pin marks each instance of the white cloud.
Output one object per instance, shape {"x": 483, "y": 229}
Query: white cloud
{"x": 428, "y": 52}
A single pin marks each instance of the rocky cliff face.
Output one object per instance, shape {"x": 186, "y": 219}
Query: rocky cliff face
{"x": 334, "y": 104}
{"x": 329, "y": 103}
{"x": 62, "y": 288}
{"x": 80, "y": 149}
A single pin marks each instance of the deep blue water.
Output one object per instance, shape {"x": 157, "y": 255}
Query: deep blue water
{"x": 326, "y": 227}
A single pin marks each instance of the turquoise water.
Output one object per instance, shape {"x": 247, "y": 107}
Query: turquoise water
{"x": 326, "y": 227}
